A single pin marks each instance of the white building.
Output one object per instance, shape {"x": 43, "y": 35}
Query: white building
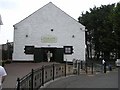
{"x": 49, "y": 29}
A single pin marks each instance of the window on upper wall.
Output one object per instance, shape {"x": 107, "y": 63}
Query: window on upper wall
{"x": 68, "y": 49}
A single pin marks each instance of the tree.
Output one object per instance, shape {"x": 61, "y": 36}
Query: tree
{"x": 116, "y": 21}
{"x": 99, "y": 23}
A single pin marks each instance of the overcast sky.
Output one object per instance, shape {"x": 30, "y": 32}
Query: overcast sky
{"x": 13, "y": 11}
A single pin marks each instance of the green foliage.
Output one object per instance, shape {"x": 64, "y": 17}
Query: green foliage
{"x": 103, "y": 25}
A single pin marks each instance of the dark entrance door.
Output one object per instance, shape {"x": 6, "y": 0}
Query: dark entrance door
{"x": 52, "y": 54}
{"x": 59, "y": 55}
{"x": 40, "y": 54}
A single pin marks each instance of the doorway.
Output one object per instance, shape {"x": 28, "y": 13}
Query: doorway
{"x": 57, "y": 54}
{"x": 48, "y": 52}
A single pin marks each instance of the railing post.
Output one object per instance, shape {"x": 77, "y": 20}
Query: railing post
{"x": 32, "y": 77}
{"x": 53, "y": 71}
{"x": 18, "y": 83}
{"x": 92, "y": 68}
{"x": 65, "y": 69}
{"x": 42, "y": 75}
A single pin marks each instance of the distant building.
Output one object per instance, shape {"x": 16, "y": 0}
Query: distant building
{"x": 49, "y": 29}
{"x": 6, "y": 51}
{"x": 1, "y": 23}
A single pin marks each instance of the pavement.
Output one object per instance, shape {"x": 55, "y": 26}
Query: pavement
{"x": 18, "y": 70}
{"x": 101, "y": 80}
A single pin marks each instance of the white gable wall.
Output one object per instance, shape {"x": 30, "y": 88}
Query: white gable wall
{"x": 40, "y": 23}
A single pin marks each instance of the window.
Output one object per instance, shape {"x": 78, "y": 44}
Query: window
{"x": 68, "y": 49}
{"x": 29, "y": 49}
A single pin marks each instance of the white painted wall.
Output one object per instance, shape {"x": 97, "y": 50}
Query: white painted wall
{"x": 40, "y": 23}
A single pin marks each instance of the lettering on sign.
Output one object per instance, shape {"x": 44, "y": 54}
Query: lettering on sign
{"x": 49, "y": 39}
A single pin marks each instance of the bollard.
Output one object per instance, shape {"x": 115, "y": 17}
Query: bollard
{"x": 110, "y": 67}
{"x": 81, "y": 64}
{"x": 92, "y": 68}
{"x": 104, "y": 67}
{"x": 86, "y": 67}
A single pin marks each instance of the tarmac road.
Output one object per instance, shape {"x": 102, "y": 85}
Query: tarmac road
{"x": 101, "y": 80}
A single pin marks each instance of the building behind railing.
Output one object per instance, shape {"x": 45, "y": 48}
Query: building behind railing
{"x": 6, "y": 51}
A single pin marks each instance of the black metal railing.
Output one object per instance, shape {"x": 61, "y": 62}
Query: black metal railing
{"x": 83, "y": 67}
{"x": 38, "y": 77}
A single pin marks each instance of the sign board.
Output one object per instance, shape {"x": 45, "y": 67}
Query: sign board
{"x": 49, "y": 39}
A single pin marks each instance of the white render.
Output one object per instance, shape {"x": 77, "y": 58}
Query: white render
{"x": 38, "y": 27}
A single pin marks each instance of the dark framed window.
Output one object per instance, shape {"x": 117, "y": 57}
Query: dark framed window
{"x": 68, "y": 49}
{"x": 29, "y": 49}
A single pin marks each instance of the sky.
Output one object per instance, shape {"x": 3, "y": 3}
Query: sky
{"x": 13, "y": 11}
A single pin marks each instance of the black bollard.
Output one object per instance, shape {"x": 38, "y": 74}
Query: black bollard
{"x": 104, "y": 67}
{"x": 110, "y": 67}
{"x": 86, "y": 67}
{"x": 81, "y": 64}
{"x": 92, "y": 68}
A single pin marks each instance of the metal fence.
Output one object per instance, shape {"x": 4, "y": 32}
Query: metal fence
{"x": 82, "y": 67}
{"x": 38, "y": 77}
